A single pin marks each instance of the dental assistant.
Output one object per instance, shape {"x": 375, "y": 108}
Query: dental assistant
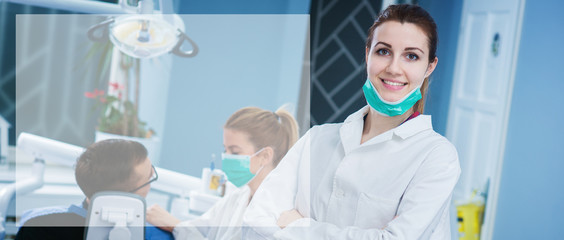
{"x": 255, "y": 141}
{"x": 381, "y": 174}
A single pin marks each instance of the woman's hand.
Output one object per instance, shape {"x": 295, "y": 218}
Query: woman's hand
{"x": 288, "y": 217}
{"x": 159, "y": 217}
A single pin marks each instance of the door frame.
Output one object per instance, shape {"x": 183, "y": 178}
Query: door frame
{"x": 488, "y": 226}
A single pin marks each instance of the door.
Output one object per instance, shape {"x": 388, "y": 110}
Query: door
{"x": 481, "y": 96}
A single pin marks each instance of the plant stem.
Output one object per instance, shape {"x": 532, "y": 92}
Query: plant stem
{"x": 136, "y": 102}
{"x": 125, "y": 66}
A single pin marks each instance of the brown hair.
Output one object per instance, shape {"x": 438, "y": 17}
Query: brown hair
{"x": 277, "y": 130}
{"x": 108, "y": 165}
{"x": 406, "y": 13}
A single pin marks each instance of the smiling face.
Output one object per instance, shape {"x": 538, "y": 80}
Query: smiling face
{"x": 397, "y": 61}
{"x": 238, "y": 143}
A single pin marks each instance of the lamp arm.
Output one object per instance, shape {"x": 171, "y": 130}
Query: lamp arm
{"x": 104, "y": 28}
{"x": 191, "y": 53}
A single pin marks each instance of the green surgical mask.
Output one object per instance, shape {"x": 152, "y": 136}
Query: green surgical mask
{"x": 389, "y": 108}
{"x": 237, "y": 168}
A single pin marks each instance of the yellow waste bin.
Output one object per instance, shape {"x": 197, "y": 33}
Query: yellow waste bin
{"x": 470, "y": 220}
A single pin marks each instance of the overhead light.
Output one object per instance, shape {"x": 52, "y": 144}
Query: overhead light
{"x": 145, "y": 35}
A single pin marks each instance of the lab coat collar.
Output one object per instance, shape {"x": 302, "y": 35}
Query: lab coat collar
{"x": 358, "y": 115}
{"x": 413, "y": 126}
{"x": 351, "y": 130}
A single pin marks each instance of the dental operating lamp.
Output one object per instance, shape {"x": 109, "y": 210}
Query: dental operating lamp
{"x": 143, "y": 34}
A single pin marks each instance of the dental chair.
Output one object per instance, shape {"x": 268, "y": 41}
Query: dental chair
{"x": 111, "y": 215}
{"x": 116, "y": 216}
{"x": 44, "y": 150}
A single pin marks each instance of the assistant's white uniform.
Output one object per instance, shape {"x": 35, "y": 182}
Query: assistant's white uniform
{"x": 223, "y": 221}
{"x": 346, "y": 190}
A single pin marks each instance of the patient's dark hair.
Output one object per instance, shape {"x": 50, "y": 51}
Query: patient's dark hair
{"x": 108, "y": 165}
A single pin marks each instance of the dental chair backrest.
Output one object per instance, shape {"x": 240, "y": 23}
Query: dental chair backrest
{"x": 116, "y": 216}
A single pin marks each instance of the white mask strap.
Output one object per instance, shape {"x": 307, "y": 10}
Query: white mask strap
{"x": 254, "y": 154}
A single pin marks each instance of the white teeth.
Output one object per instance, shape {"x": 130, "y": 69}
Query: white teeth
{"x": 393, "y": 83}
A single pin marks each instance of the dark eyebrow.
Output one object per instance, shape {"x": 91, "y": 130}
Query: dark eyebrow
{"x": 414, "y": 48}
{"x": 383, "y": 43}
{"x": 406, "y": 49}
{"x": 233, "y": 147}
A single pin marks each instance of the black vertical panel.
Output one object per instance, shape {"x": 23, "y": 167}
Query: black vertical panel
{"x": 7, "y": 68}
{"x": 8, "y": 13}
{"x": 338, "y": 34}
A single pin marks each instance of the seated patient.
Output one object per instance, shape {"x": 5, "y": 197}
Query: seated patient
{"x": 109, "y": 165}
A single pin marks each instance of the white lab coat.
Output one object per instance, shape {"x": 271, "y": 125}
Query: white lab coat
{"x": 346, "y": 190}
{"x": 223, "y": 221}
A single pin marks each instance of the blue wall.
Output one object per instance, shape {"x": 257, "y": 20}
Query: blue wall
{"x": 244, "y": 60}
{"x": 531, "y": 197}
{"x": 447, "y": 16}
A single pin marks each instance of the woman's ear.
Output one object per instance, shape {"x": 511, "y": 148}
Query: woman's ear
{"x": 267, "y": 156}
{"x": 431, "y": 67}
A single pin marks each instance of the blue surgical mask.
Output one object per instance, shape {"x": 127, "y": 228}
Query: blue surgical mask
{"x": 237, "y": 168}
{"x": 389, "y": 108}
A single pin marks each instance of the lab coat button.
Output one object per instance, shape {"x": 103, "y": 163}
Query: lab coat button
{"x": 339, "y": 193}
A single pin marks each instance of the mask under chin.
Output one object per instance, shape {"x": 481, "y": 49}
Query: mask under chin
{"x": 387, "y": 108}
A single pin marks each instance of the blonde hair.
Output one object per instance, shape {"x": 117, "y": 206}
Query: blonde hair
{"x": 278, "y": 130}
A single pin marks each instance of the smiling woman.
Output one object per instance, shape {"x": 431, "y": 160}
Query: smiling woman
{"x": 417, "y": 32}
{"x": 398, "y": 69}
{"x": 383, "y": 173}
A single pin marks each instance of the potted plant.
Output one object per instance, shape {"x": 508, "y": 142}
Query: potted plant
{"x": 118, "y": 115}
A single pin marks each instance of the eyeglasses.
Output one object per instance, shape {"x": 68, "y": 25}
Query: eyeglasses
{"x": 154, "y": 177}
